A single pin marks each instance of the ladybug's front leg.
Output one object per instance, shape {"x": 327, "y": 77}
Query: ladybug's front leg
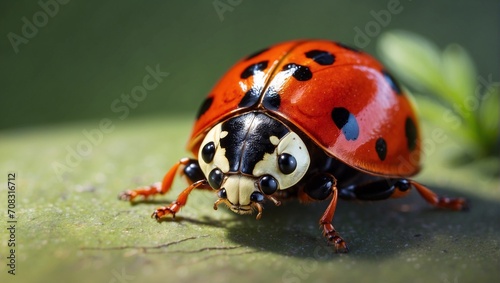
{"x": 191, "y": 169}
{"x": 158, "y": 187}
{"x": 181, "y": 200}
{"x": 320, "y": 187}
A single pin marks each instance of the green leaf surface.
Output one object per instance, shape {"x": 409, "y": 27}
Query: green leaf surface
{"x": 413, "y": 58}
{"x": 460, "y": 75}
{"x": 73, "y": 228}
{"x": 443, "y": 118}
{"x": 489, "y": 113}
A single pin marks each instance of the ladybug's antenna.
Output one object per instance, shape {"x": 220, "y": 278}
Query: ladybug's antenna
{"x": 217, "y": 202}
{"x": 274, "y": 200}
{"x": 259, "y": 209}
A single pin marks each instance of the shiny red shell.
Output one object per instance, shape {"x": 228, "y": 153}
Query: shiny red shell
{"x": 342, "y": 98}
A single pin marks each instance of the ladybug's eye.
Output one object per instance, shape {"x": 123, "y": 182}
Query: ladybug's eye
{"x": 268, "y": 184}
{"x": 257, "y": 197}
{"x": 287, "y": 163}
{"x": 222, "y": 193}
{"x": 215, "y": 178}
{"x": 208, "y": 152}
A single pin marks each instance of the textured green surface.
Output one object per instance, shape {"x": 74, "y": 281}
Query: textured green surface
{"x": 75, "y": 230}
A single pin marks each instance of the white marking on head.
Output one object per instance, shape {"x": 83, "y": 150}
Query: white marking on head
{"x": 291, "y": 144}
{"x": 274, "y": 140}
{"x": 239, "y": 188}
{"x": 219, "y": 161}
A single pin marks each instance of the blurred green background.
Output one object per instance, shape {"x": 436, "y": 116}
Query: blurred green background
{"x": 72, "y": 61}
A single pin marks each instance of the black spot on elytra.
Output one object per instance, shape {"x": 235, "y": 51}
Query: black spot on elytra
{"x": 392, "y": 82}
{"x": 321, "y": 57}
{"x": 381, "y": 148}
{"x": 250, "y": 98}
{"x": 345, "y": 46}
{"x": 271, "y": 99}
{"x": 254, "y": 68}
{"x": 257, "y": 53}
{"x": 204, "y": 106}
{"x": 301, "y": 73}
{"x": 411, "y": 133}
{"x": 345, "y": 121}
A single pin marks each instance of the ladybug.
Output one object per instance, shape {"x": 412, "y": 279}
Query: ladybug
{"x": 309, "y": 119}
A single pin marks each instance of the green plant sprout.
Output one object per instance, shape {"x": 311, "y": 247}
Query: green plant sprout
{"x": 449, "y": 93}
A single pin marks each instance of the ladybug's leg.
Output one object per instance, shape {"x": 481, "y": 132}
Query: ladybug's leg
{"x": 191, "y": 169}
{"x": 378, "y": 189}
{"x": 393, "y": 188}
{"x": 181, "y": 200}
{"x": 320, "y": 187}
{"x": 440, "y": 201}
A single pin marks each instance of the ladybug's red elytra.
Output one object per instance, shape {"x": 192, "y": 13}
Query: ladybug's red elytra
{"x": 310, "y": 119}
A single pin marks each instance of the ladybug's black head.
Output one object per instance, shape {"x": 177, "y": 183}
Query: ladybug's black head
{"x": 249, "y": 157}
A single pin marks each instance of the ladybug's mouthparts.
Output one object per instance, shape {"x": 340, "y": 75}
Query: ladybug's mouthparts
{"x": 241, "y": 209}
